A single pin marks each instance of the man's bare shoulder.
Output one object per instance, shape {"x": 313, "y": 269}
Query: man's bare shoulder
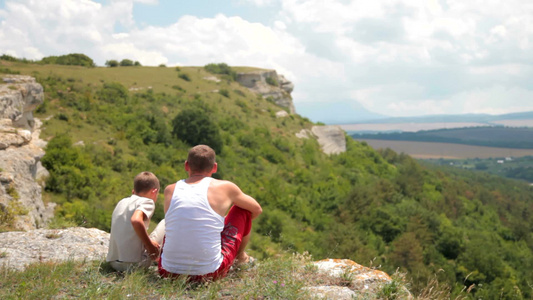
{"x": 170, "y": 188}
{"x": 223, "y": 184}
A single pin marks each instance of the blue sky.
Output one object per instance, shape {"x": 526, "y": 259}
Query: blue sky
{"x": 348, "y": 59}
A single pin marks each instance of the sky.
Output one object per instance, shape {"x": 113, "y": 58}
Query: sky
{"x": 349, "y": 60}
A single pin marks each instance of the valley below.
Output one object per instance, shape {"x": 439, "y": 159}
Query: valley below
{"x": 428, "y": 150}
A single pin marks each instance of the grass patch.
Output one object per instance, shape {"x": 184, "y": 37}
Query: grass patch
{"x": 282, "y": 277}
{"x": 279, "y": 278}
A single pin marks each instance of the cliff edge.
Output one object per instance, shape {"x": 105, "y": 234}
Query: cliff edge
{"x": 21, "y": 205}
{"x": 343, "y": 278}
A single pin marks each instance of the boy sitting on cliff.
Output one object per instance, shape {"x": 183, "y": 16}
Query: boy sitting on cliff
{"x": 129, "y": 245}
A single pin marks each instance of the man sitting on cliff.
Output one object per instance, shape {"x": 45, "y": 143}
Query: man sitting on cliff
{"x": 199, "y": 240}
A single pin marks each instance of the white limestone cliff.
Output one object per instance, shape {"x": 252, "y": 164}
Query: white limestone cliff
{"x": 21, "y": 152}
{"x": 258, "y": 82}
{"x": 331, "y": 138}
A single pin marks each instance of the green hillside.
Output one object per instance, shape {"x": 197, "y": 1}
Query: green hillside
{"x": 490, "y": 136}
{"x": 104, "y": 125}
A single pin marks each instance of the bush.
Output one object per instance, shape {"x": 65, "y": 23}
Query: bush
{"x": 221, "y": 68}
{"x": 111, "y": 63}
{"x": 74, "y": 59}
{"x": 194, "y": 126}
{"x": 184, "y": 76}
{"x": 113, "y": 92}
{"x": 224, "y": 93}
{"x": 272, "y": 81}
{"x": 126, "y": 63}
{"x": 8, "y": 58}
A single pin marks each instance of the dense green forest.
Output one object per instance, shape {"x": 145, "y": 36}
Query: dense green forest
{"x": 381, "y": 209}
{"x": 491, "y": 136}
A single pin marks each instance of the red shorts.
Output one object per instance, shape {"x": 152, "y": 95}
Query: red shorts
{"x": 237, "y": 224}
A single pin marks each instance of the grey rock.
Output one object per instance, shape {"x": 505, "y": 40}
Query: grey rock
{"x": 330, "y": 292}
{"x": 256, "y": 81}
{"x": 282, "y": 114}
{"x": 304, "y": 134}
{"x": 362, "y": 279}
{"x": 19, "y": 96}
{"x": 357, "y": 281}
{"x": 331, "y": 138}
{"x": 19, "y": 249}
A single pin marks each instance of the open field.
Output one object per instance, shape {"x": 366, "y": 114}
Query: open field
{"x": 406, "y": 127}
{"x": 414, "y": 127}
{"x": 515, "y": 123}
{"x": 424, "y": 150}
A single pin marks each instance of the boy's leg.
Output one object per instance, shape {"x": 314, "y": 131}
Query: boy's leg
{"x": 159, "y": 233}
{"x": 122, "y": 266}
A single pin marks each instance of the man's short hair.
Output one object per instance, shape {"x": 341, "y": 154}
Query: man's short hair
{"x": 144, "y": 182}
{"x": 201, "y": 158}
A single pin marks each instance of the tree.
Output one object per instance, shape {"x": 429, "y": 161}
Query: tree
{"x": 76, "y": 59}
{"x": 221, "y": 68}
{"x": 111, "y": 63}
{"x": 126, "y": 63}
{"x": 113, "y": 92}
{"x": 194, "y": 127}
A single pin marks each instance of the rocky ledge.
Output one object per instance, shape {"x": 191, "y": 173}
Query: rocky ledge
{"x": 269, "y": 85}
{"x": 20, "y": 153}
{"x": 331, "y": 138}
{"x": 19, "y": 249}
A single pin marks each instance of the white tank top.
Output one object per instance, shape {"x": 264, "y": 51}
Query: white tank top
{"x": 192, "y": 234}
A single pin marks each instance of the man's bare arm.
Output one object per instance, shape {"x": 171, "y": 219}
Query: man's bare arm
{"x": 137, "y": 221}
{"x": 242, "y": 200}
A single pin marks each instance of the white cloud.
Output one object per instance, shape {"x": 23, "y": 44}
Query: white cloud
{"x": 120, "y": 51}
{"x": 151, "y": 2}
{"x": 398, "y": 57}
{"x": 494, "y": 100}
{"x": 259, "y": 3}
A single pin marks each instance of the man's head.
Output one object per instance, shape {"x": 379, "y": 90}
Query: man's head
{"x": 201, "y": 159}
{"x": 144, "y": 183}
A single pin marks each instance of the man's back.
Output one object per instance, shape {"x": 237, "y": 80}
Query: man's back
{"x": 192, "y": 238}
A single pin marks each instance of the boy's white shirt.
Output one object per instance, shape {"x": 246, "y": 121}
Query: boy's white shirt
{"x": 124, "y": 244}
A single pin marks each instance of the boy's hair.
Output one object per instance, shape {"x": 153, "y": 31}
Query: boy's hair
{"x": 201, "y": 158}
{"x": 144, "y": 182}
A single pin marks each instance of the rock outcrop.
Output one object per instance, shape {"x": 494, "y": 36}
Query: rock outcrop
{"x": 331, "y": 138}
{"x": 21, "y": 151}
{"x": 19, "y": 249}
{"x": 362, "y": 280}
{"x": 270, "y": 85}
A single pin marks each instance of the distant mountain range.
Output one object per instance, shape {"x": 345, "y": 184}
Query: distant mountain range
{"x": 474, "y": 118}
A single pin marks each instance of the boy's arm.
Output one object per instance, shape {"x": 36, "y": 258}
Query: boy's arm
{"x": 243, "y": 201}
{"x": 137, "y": 221}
